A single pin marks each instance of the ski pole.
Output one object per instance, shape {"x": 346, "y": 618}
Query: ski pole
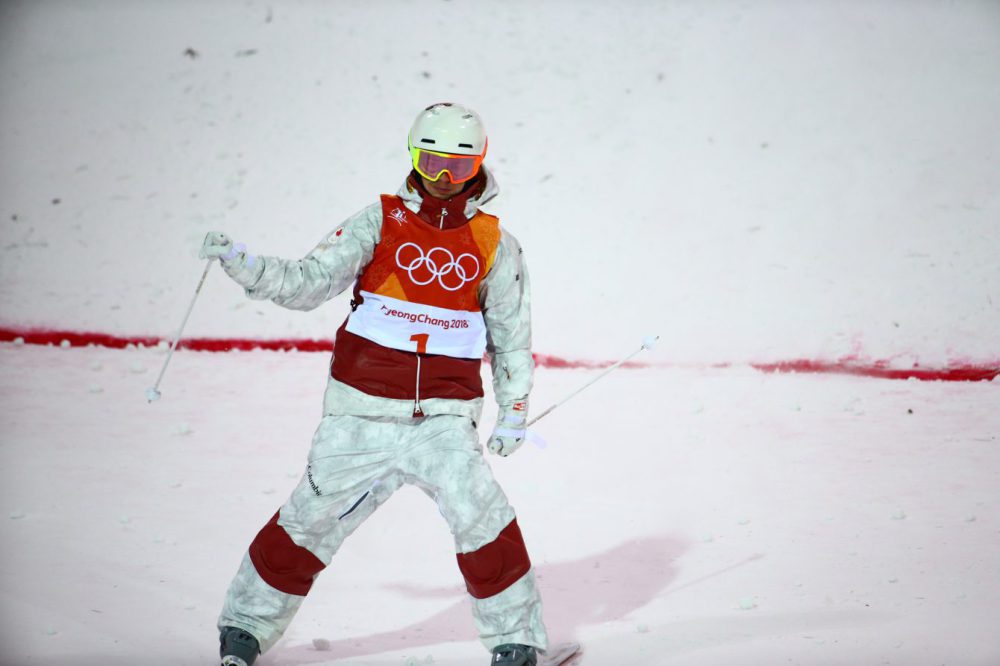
{"x": 647, "y": 343}
{"x": 154, "y": 393}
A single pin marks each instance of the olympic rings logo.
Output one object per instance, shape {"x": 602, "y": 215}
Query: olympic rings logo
{"x": 451, "y": 272}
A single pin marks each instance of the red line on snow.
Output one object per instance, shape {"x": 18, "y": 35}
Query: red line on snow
{"x": 84, "y": 338}
{"x": 961, "y": 372}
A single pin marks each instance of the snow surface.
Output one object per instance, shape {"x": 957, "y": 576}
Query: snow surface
{"x": 752, "y": 181}
{"x": 676, "y": 517}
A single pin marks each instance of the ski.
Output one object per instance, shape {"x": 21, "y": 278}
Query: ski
{"x": 559, "y": 655}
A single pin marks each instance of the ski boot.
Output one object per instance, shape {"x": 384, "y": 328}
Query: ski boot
{"x": 238, "y": 647}
{"x": 514, "y": 654}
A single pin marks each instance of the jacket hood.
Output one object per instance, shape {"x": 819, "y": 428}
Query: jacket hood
{"x": 411, "y": 194}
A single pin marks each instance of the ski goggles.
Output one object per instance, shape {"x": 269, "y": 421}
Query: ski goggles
{"x": 431, "y": 165}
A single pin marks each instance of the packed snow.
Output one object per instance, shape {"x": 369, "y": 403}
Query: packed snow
{"x": 750, "y": 181}
{"x": 677, "y": 516}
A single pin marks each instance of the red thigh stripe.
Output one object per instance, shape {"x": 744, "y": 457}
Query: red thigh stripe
{"x": 282, "y": 563}
{"x": 497, "y": 565}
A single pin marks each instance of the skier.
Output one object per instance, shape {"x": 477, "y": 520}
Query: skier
{"x": 437, "y": 282}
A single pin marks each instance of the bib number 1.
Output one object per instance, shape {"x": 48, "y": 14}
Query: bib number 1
{"x": 421, "y": 340}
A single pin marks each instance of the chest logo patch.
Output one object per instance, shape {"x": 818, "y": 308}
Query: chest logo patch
{"x": 398, "y": 215}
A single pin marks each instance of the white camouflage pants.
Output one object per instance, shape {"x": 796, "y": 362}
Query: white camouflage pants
{"x": 355, "y": 464}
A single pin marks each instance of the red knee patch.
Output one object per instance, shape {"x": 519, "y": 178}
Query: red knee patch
{"x": 497, "y": 565}
{"x": 282, "y": 563}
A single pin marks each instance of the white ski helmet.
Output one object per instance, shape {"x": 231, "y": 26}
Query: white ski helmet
{"x": 449, "y": 128}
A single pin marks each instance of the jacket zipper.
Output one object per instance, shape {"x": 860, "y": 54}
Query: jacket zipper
{"x": 417, "y": 411}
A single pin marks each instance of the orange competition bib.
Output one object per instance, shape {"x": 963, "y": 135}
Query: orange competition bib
{"x": 420, "y": 292}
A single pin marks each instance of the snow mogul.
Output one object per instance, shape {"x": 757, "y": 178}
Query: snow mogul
{"x": 436, "y": 283}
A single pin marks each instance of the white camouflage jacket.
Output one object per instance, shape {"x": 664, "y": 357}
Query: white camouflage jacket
{"x": 337, "y": 261}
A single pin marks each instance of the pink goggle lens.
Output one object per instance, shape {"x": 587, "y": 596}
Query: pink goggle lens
{"x": 460, "y": 167}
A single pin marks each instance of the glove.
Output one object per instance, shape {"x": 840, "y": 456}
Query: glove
{"x": 218, "y": 245}
{"x": 511, "y": 429}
